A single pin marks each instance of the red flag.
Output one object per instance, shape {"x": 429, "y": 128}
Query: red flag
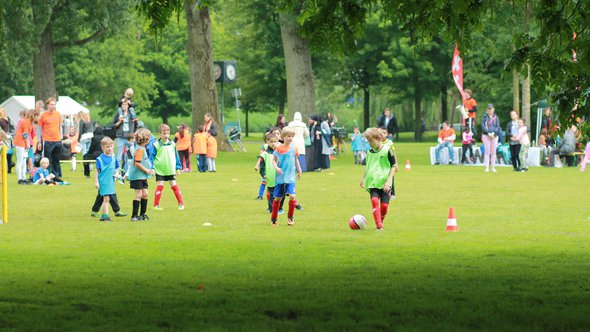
{"x": 457, "y": 70}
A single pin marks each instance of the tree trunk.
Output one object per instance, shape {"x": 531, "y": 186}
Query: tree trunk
{"x": 366, "y": 109}
{"x": 43, "y": 70}
{"x": 418, "y": 119}
{"x": 300, "y": 82}
{"x": 444, "y": 107}
{"x": 526, "y": 98}
{"x": 515, "y": 91}
{"x": 200, "y": 57}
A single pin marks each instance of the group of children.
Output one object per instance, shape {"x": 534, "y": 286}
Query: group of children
{"x": 151, "y": 157}
{"x": 279, "y": 167}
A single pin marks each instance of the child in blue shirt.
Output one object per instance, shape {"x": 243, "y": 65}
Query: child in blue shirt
{"x": 287, "y": 166}
{"x": 106, "y": 172}
{"x": 359, "y": 146}
{"x": 44, "y": 177}
{"x": 139, "y": 172}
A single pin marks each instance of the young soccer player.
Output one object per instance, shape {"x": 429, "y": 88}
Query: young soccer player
{"x": 378, "y": 176}
{"x": 106, "y": 171}
{"x": 267, "y": 171}
{"x": 200, "y": 148}
{"x": 286, "y": 164}
{"x": 166, "y": 164}
{"x": 139, "y": 172}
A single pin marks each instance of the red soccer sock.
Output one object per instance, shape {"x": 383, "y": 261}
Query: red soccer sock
{"x": 384, "y": 207}
{"x": 275, "y": 209}
{"x": 158, "y": 194}
{"x": 292, "y": 205}
{"x": 178, "y": 194}
{"x": 376, "y": 212}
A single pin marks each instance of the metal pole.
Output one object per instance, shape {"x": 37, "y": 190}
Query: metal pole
{"x": 222, "y": 105}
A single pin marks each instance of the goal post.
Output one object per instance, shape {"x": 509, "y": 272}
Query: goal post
{"x": 4, "y": 184}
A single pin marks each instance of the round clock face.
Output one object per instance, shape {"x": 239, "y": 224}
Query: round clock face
{"x": 216, "y": 71}
{"x": 230, "y": 72}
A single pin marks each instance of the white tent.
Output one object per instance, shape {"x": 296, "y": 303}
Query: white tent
{"x": 65, "y": 105}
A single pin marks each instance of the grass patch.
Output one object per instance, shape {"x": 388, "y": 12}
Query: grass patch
{"x": 519, "y": 261}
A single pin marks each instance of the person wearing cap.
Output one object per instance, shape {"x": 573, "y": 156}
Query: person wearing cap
{"x": 490, "y": 131}
{"x": 470, "y": 105}
{"x": 446, "y": 138}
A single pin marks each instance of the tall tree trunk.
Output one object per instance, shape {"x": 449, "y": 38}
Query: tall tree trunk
{"x": 200, "y": 58}
{"x": 366, "y": 107}
{"x": 300, "y": 82}
{"x": 43, "y": 70}
{"x": 526, "y": 98}
{"x": 444, "y": 107}
{"x": 418, "y": 118}
{"x": 515, "y": 91}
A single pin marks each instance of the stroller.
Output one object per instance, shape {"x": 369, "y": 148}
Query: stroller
{"x": 233, "y": 133}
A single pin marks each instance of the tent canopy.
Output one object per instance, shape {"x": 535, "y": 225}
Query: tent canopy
{"x": 66, "y": 106}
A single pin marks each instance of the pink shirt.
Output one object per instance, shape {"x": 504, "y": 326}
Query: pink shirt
{"x": 467, "y": 137}
{"x": 523, "y": 136}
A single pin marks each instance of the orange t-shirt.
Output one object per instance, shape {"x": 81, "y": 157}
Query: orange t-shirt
{"x": 469, "y": 104}
{"x": 50, "y": 123}
{"x": 24, "y": 126}
{"x": 200, "y": 143}
{"x": 284, "y": 149}
{"x": 442, "y": 134}
{"x": 183, "y": 143}
{"x": 211, "y": 147}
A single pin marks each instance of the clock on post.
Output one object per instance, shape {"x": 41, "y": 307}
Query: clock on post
{"x": 224, "y": 71}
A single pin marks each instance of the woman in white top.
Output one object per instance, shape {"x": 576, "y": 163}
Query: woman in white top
{"x": 301, "y": 132}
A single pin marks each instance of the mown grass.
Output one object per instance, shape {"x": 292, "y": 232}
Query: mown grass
{"x": 519, "y": 262}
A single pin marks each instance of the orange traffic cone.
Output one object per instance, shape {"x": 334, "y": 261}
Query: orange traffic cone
{"x": 408, "y": 166}
{"x": 452, "y": 221}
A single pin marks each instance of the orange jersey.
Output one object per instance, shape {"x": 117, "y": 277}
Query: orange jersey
{"x": 200, "y": 143}
{"x": 50, "y": 123}
{"x": 211, "y": 147}
{"x": 24, "y": 126}
{"x": 183, "y": 143}
{"x": 469, "y": 104}
{"x": 285, "y": 148}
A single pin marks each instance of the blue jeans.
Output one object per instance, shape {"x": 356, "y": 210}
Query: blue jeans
{"x": 441, "y": 146}
{"x": 202, "y": 162}
{"x": 121, "y": 143}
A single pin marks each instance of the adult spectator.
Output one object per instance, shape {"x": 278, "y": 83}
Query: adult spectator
{"x": 566, "y": 147}
{"x": 94, "y": 150}
{"x": 23, "y": 141}
{"x": 317, "y": 140}
{"x": 6, "y": 138}
{"x": 446, "y": 138}
{"x": 389, "y": 122}
{"x": 281, "y": 121}
{"x": 309, "y": 147}
{"x": 326, "y": 131}
{"x": 50, "y": 122}
{"x": 470, "y": 105}
{"x": 332, "y": 119}
{"x": 124, "y": 122}
{"x": 301, "y": 133}
{"x": 511, "y": 132}
{"x": 85, "y": 131}
{"x": 549, "y": 123}
{"x": 490, "y": 131}
{"x": 210, "y": 125}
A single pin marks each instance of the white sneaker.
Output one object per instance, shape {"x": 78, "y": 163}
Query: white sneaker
{"x": 487, "y": 170}
{"x": 181, "y": 207}
{"x": 494, "y": 170}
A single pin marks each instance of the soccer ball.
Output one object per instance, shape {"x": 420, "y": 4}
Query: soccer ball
{"x": 357, "y": 222}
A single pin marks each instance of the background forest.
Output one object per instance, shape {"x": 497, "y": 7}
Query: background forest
{"x": 102, "y": 47}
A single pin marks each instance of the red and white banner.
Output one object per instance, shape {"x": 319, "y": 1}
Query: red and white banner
{"x": 457, "y": 70}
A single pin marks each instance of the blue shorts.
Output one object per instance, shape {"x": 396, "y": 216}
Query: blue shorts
{"x": 284, "y": 188}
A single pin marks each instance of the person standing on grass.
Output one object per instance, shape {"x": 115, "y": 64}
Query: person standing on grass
{"x": 50, "y": 122}
{"x": 23, "y": 142}
{"x": 183, "y": 145}
{"x": 124, "y": 122}
{"x": 139, "y": 172}
{"x": 200, "y": 148}
{"x": 301, "y": 133}
{"x": 380, "y": 167}
{"x": 104, "y": 179}
{"x": 166, "y": 165}
{"x": 512, "y": 132}
{"x": 523, "y": 139}
{"x": 470, "y": 105}
{"x": 286, "y": 164}
{"x": 490, "y": 131}
{"x": 266, "y": 169}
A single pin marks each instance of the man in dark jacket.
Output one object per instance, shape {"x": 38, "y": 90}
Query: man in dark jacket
{"x": 387, "y": 120}
{"x": 94, "y": 150}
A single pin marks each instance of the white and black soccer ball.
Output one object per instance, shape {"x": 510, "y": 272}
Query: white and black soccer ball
{"x": 357, "y": 222}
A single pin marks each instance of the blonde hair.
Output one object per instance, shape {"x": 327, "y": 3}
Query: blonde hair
{"x": 3, "y": 114}
{"x": 142, "y": 136}
{"x": 270, "y": 135}
{"x": 84, "y": 116}
{"x": 287, "y": 131}
{"x": 372, "y": 133}
{"x": 163, "y": 127}
{"x": 44, "y": 160}
{"x": 106, "y": 141}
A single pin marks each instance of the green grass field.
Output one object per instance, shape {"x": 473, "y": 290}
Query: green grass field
{"x": 520, "y": 260}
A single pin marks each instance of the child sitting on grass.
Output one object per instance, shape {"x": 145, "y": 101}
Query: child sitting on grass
{"x": 378, "y": 176}
{"x": 166, "y": 165}
{"x": 44, "y": 177}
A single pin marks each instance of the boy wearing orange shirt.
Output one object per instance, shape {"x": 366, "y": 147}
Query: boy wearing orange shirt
{"x": 50, "y": 122}
{"x": 200, "y": 149}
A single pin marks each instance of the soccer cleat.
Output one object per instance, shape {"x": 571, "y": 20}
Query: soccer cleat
{"x": 157, "y": 207}
{"x": 180, "y": 207}
{"x": 290, "y": 222}
{"x": 274, "y": 222}
{"x": 299, "y": 207}
{"x": 94, "y": 214}
{"x": 269, "y": 210}
{"x": 120, "y": 214}
{"x": 450, "y": 162}
{"x": 135, "y": 218}
{"x": 144, "y": 217}
{"x": 259, "y": 198}
{"x": 107, "y": 219}
{"x": 437, "y": 163}
{"x": 281, "y": 211}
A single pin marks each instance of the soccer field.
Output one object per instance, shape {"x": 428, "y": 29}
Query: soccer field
{"x": 520, "y": 260}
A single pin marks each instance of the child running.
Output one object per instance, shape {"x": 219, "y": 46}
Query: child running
{"x": 267, "y": 171}
{"x": 139, "y": 172}
{"x": 286, "y": 164}
{"x": 106, "y": 171}
{"x": 166, "y": 164}
{"x": 378, "y": 176}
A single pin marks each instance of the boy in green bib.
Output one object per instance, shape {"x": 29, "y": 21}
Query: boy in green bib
{"x": 378, "y": 176}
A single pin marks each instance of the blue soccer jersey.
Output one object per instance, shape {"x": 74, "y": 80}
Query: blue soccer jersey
{"x": 286, "y": 160}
